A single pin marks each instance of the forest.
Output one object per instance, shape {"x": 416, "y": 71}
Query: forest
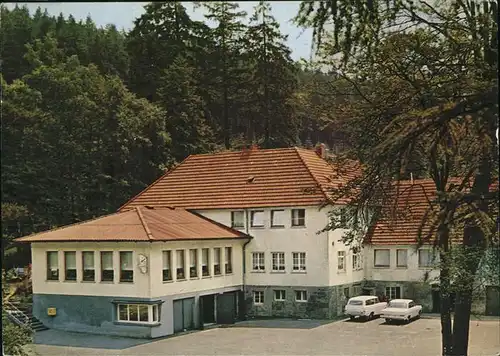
{"x": 91, "y": 116}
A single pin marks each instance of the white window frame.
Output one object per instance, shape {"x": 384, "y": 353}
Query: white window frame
{"x": 252, "y": 218}
{"x": 390, "y": 289}
{"x": 88, "y": 253}
{"x": 357, "y": 261}
{"x": 341, "y": 261}
{"x": 52, "y": 270}
{"x": 298, "y": 262}
{"x": 258, "y": 262}
{"x": 128, "y": 269}
{"x": 279, "y": 216}
{"x": 430, "y": 258}
{"x": 180, "y": 265}
{"x": 217, "y": 261}
{"x": 375, "y": 257}
{"x": 398, "y": 264}
{"x": 205, "y": 252}
{"x": 167, "y": 257}
{"x": 235, "y": 222}
{"x": 153, "y": 313}
{"x": 301, "y": 296}
{"x": 66, "y": 269}
{"x": 278, "y": 261}
{"x": 107, "y": 253}
{"x": 279, "y": 295}
{"x": 297, "y": 221}
{"x": 193, "y": 263}
{"x": 228, "y": 260}
{"x": 258, "y": 297}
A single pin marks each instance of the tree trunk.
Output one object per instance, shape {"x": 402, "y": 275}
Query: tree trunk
{"x": 445, "y": 310}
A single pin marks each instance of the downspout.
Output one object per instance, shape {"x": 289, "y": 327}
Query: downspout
{"x": 243, "y": 317}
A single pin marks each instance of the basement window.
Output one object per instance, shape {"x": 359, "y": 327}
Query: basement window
{"x": 138, "y": 313}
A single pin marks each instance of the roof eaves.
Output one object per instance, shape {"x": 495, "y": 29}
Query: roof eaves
{"x": 124, "y": 206}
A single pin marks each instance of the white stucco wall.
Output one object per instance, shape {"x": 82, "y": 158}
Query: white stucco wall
{"x": 148, "y": 285}
{"x": 197, "y": 284}
{"x": 287, "y": 239}
{"x": 412, "y": 273}
{"x": 338, "y": 277}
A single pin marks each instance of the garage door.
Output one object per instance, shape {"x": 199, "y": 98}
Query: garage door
{"x": 183, "y": 314}
{"x": 492, "y": 300}
{"x": 226, "y": 308}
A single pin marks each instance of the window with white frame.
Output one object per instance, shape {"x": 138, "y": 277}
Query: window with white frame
{"x": 52, "y": 266}
{"x": 229, "y": 260}
{"x": 341, "y": 261}
{"x": 138, "y": 313}
{"x": 298, "y": 217}
{"x": 279, "y": 295}
{"x": 126, "y": 266}
{"x": 278, "y": 261}
{"x": 382, "y": 258}
{"x": 424, "y": 258}
{"x": 257, "y": 218}
{"x": 258, "y": 262}
{"x": 107, "y": 270}
{"x": 298, "y": 261}
{"x": 258, "y": 297}
{"x": 205, "y": 259}
{"x": 167, "y": 266}
{"x": 402, "y": 258}
{"x": 357, "y": 261}
{"x": 69, "y": 266}
{"x": 217, "y": 270}
{"x": 277, "y": 218}
{"x": 181, "y": 263}
{"x": 88, "y": 266}
{"x": 393, "y": 292}
{"x": 301, "y": 296}
{"x": 237, "y": 219}
{"x": 193, "y": 263}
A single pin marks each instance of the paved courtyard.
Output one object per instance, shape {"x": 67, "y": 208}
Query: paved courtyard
{"x": 282, "y": 337}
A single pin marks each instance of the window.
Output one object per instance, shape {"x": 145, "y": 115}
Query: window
{"x": 228, "y": 265}
{"x": 180, "y": 265}
{"x": 357, "y": 261}
{"x": 126, "y": 266}
{"x": 69, "y": 266}
{"x": 299, "y": 261}
{"x": 279, "y": 295}
{"x": 278, "y": 261}
{"x": 88, "y": 266}
{"x": 258, "y": 297}
{"x": 193, "y": 263}
{"x": 424, "y": 258}
{"x": 402, "y": 258}
{"x": 341, "y": 260}
{"x": 346, "y": 292}
{"x": 411, "y": 304}
{"x": 258, "y": 263}
{"x": 107, "y": 271}
{"x": 52, "y": 266}
{"x": 167, "y": 266}
{"x": 393, "y": 292}
{"x": 138, "y": 313}
{"x": 257, "y": 218}
{"x": 298, "y": 217}
{"x": 277, "y": 218}
{"x": 382, "y": 258}
{"x": 237, "y": 219}
{"x": 217, "y": 261}
{"x": 205, "y": 271}
{"x": 301, "y": 296}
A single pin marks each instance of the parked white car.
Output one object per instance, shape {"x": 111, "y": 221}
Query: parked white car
{"x": 364, "y": 306}
{"x": 401, "y": 309}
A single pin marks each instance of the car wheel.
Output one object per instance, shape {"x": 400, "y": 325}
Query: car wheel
{"x": 371, "y": 316}
{"x": 408, "y": 319}
{"x": 419, "y": 313}
{"x": 388, "y": 321}
{"x": 351, "y": 317}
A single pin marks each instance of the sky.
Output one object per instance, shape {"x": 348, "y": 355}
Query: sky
{"x": 123, "y": 14}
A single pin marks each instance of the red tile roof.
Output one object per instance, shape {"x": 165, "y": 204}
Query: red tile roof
{"x": 140, "y": 224}
{"x": 242, "y": 179}
{"x": 413, "y": 200}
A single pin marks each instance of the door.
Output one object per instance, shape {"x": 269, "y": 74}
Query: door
{"x": 226, "y": 308}
{"x": 208, "y": 309}
{"x": 492, "y": 300}
{"x": 183, "y": 314}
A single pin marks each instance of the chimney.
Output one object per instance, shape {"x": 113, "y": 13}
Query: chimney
{"x": 321, "y": 150}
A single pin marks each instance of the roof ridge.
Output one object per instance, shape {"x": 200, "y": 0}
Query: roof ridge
{"x": 242, "y": 151}
{"x": 323, "y": 191}
{"x": 152, "y": 184}
{"x": 144, "y": 223}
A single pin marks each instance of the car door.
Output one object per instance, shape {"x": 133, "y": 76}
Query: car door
{"x": 412, "y": 309}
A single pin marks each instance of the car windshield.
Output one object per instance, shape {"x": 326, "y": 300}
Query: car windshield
{"x": 356, "y": 302}
{"x": 397, "y": 305}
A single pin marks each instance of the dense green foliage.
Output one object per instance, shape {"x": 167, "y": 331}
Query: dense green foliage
{"x": 91, "y": 116}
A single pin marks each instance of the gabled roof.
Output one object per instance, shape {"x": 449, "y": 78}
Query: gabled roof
{"x": 242, "y": 179}
{"x": 410, "y": 199}
{"x": 141, "y": 224}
